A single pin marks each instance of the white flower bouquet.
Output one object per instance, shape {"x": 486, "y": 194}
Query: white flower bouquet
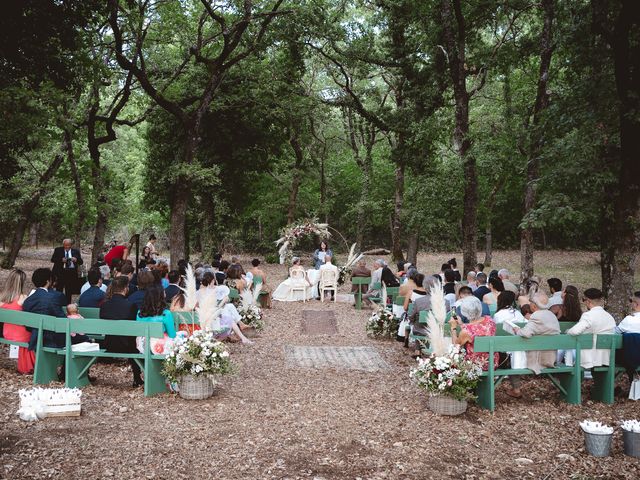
{"x": 252, "y": 316}
{"x": 382, "y": 323}
{"x": 198, "y": 354}
{"x": 451, "y": 374}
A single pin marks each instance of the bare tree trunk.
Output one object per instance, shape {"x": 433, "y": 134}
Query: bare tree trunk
{"x": 488, "y": 244}
{"x": 412, "y": 248}
{"x": 82, "y": 208}
{"x": 461, "y": 142}
{"x": 26, "y": 211}
{"x": 33, "y": 235}
{"x": 396, "y": 222}
{"x": 626, "y": 214}
{"x": 365, "y": 192}
{"x": 536, "y": 141}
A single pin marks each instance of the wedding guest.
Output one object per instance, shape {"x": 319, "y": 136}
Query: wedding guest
{"x": 478, "y": 325}
{"x": 173, "y": 288}
{"x": 596, "y": 321}
{"x": 388, "y": 277}
{"x": 221, "y": 274}
{"x": 570, "y": 310}
{"x": 66, "y": 260}
{"x": 471, "y": 281}
{"x": 495, "y": 289}
{"x": 117, "y": 307}
{"x": 631, "y": 323}
{"x": 449, "y": 285}
{"x": 163, "y": 272}
{"x": 555, "y": 300}
{"x": 360, "y": 271}
{"x": 235, "y": 262}
{"x": 479, "y": 267}
{"x": 376, "y": 280}
{"x": 145, "y": 280}
{"x": 42, "y": 301}
{"x": 482, "y": 289}
{"x": 409, "y": 285}
{"x": 234, "y": 278}
{"x": 154, "y": 309}
{"x": 11, "y": 298}
{"x": 453, "y": 265}
{"x": 151, "y": 245}
{"x": 416, "y": 293}
{"x": 443, "y": 268}
{"x": 506, "y": 310}
{"x": 119, "y": 251}
{"x": 146, "y": 256}
{"x": 320, "y": 253}
{"x": 329, "y": 266}
{"x": 503, "y": 274}
{"x": 420, "y": 304}
{"x": 541, "y": 322}
{"x": 93, "y": 296}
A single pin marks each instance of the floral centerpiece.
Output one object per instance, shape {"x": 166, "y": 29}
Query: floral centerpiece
{"x": 451, "y": 374}
{"x": 291, "y": 234}
{"x": 446, "y": 373}
{"x": 382, "y": 323}
{"x": 192, "y": 362}
{"x": 248, "y": 308}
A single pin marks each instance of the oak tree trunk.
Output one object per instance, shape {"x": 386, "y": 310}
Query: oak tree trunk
{"x": 626, "y": 214}
{"x": 413, "y": 246}
{"x": 396, "y": 225}
{"x": 82, "y": 209}
{"x": 536, "y": 141}
{"x": 295, "y": 179}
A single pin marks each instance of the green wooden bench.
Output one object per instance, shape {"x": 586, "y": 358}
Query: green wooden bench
{"x": 186, "y": 318}
{"x": 359, "y": 281}
{"x": 233, "y": 294}
{"x": 257, "y": 280}
{"x": 568, "y": 380}
{"x": 89, "y": 312}
{"x": 392, "y": 293}
{"x": 77, "y": 364}
{"x": 47, "y": 359}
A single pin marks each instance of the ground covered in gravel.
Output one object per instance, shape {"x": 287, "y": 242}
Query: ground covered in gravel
{"x": 271, "y": 419}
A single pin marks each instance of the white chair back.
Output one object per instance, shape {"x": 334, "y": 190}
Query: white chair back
{"x": 328, "y": 278}
{"x": 296, "y": 273}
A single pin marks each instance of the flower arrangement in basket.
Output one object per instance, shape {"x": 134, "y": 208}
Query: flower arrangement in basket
{"x": 200, "y": 356}
{"x": 248, "y": 308}
{"x": 450, "y": 374}
{"x": 291, "y": 234}
{"x": 382, "y": 322}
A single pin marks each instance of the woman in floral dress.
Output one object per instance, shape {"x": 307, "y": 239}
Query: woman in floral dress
{"x": 478, "y": 325}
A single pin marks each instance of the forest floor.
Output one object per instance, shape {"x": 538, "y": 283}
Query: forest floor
{"x": 271, "y": 419}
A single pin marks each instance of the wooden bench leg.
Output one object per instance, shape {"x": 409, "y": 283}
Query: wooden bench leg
{"x": 572, "y": 384}
{"x": 46, "y": 368}
{"x": 603, "y": 386}
{"x": 154, "y": 381}
{"x": 77, "y": 371}
{"x": 486, "y": 394}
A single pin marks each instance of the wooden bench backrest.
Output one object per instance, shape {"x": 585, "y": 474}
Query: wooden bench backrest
{"x": 186, "y": 318}
{"x": 511, "y": 343}
{"x": 125, "y": 328}
{"x": 89, "y": 312}
{"x": 360, "y": 280}
{"x": 26, "y": 319}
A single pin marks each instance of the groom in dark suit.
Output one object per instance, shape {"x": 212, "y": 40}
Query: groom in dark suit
{"x": 65, "y": 261}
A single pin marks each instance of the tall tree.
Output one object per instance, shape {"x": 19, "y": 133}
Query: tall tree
{"x": 216, "y": 48}
{"x": 535, "y": 128}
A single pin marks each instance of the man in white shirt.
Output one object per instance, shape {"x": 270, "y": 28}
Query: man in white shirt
{"x": 328, "y": 266}
{"x": 597, "y": 321}
{"x": 631, "y": 323}
{"x": 503, "y": 274}
{"x": 87, "y": 285}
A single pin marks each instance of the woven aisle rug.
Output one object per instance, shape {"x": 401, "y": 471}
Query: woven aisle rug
{"x": 351, "y": 358}
{"x": 318, "y": 322}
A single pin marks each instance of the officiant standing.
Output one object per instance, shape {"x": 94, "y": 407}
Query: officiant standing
{"x": 65, "y": 261}
{"x": 319, "y": 255}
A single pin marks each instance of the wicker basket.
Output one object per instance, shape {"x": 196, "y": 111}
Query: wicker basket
{"x": 445, "y": 405}
{"x": 195, "y": 388}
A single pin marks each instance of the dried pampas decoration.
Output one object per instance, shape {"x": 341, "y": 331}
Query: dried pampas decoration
{"x": 435, "y": 320}
{"x": 209, "y": 312}
{"x": 190, "y": 292}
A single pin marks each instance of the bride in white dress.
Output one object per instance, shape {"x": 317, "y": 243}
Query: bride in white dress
{"x": 295, "y": 288}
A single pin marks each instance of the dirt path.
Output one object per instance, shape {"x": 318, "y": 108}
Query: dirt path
{"x": 273, "y": 420}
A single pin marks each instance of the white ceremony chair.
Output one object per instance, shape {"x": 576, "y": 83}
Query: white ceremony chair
{"x": 328, "y": 282}
{"x": 302, "y": 287}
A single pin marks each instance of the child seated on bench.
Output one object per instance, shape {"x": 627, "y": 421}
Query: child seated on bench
{"x": 73, "y": 312}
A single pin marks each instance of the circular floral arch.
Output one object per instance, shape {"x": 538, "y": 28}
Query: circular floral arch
{"x": 292, "y": 234}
